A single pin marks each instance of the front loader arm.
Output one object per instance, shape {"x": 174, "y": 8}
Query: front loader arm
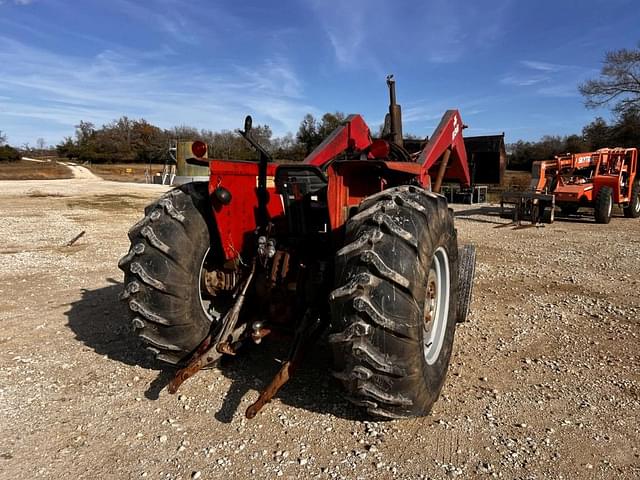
{"x": 352, "y": 134}
{"x": 447, "y": 137}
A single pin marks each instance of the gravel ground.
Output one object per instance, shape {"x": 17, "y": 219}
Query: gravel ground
{"x": 543, "y": 381}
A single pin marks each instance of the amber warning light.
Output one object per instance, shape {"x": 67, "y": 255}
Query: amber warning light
{"x": 199, "y": 149}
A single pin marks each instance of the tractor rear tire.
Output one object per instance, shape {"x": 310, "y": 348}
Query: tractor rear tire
{"x": 162, "y": 273}
{"x": 394, "y": 310}
{"x": 603, "y": 205}
{"x": 467, "y": 270}
{"x": 633, "y": 209}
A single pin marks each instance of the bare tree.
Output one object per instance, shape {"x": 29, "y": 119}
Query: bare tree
{"x": 41, "y": 144}
{"x": 619, "y": 82}
{"x": 3, "y": 138}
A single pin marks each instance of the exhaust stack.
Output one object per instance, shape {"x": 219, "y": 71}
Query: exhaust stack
{"x": 395, "y": 114}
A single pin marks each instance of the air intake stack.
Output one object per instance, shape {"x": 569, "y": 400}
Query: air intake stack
{"x": 395, "y": 114}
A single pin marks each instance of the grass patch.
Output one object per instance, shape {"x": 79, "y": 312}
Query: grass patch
{"x": 125, "y": 172}
{"x": 25, "y": 170}
{"x": 41, "y": 194}
{"x": 110, "y": 202}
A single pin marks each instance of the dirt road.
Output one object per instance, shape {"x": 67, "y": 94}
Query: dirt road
{"x": 543, "y": 383}
{"x": 78, "y": 171}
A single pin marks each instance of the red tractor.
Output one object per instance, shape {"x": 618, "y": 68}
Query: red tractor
{"x": 354, "y": 240}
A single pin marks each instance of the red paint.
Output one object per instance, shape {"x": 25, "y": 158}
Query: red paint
{"x": 237, "y": 221}
{"x": 448, "y": 134}
{"x": 353, "y": 133}
{"x": 367, "y": 171}
{"x": 379, "y": 149}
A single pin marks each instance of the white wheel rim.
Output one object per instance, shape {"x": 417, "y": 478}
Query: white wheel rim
{"x": 637, "y": 205}
{"x": 610, "y": 207}
{"x": 436, "y": 309}
{"x": 204, "y": 307}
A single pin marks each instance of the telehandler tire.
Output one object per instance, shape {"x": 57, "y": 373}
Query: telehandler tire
{"x": 603, "y": 205}
{"x": 395, "y": 305}
{"x": 169, "y": 247}
{"x": 633, "y": 209}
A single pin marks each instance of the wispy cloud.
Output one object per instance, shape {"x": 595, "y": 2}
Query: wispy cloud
{"x": 562, "y": 89}
{"x": 166, "y": 17}
{"x": 523, "y": 80}
{"x": 60, "y": 90}
{"x": 345, "y": 25}
{"x": 366, "y": 34}
{"x": 17, "y": 2}
{"x": 184, "y": 22}
{"x": 544, "y": 66}
{"x": 545, "y": 78}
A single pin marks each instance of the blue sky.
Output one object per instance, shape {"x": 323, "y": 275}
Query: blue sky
{"x": 507, "y": 65}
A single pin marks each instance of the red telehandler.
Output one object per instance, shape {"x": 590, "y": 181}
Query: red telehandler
{"x": 354, "y": 240}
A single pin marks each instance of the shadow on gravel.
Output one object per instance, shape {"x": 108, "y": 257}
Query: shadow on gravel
{"x": 311, "y": 388}
{"x": 101, "y": 322}
{"x": 486, "y": 210}
{"x": 585, "y": 216}
{"x": 494, "y": 211}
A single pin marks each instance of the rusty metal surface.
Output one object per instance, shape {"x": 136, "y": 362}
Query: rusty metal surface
{"x": 220, "y": 280}
{"x": 213, "y": 347}
{"x": 208, "y": 352}
{"x": 282, "y": 377}
{"x": 226, "y": 348}
{"x": 441, "y": 170}
{"x": 280, "y": 266}
{"x": 231, "y": 318}
{"x": 199, "y": 360}
{"x": 308, "y": 332}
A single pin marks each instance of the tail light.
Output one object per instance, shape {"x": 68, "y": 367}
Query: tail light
{"x": 199, "y": 149}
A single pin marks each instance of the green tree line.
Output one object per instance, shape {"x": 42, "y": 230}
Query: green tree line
{"x": 127, "y": 140}
{"x": 7, "y": 153}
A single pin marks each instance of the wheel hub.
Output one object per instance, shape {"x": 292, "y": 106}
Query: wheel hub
{"x": 214, "y": 288}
